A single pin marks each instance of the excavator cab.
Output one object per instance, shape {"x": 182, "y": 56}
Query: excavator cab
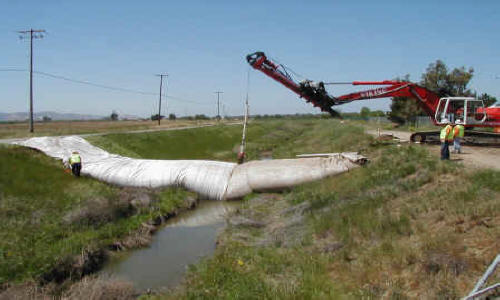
{"x": 468, "y": 110}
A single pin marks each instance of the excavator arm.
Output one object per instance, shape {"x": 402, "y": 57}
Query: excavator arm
{"x": 469, "y": 109}
{"x": 315, "y": 92}
{"x": 312, "y": 92}
{"x": 427, "y": 99}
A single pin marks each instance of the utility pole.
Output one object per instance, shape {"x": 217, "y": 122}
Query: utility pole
{"x": 33, "y": 34}
{"x": 159, "y": 104}
{"x": 218, "y": 103}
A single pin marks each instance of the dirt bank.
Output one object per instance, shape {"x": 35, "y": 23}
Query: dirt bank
{"x": 472, "y": 156}
{"x": 70, "y": 273}
{"x": 394, "y": 229}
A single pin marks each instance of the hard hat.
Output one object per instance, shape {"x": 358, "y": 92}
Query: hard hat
{"x": 445, "y": 121}
{"x": 458, "y": 121}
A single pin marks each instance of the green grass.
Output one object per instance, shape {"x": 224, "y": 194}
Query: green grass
{"x": 35, "y": 197}
{"x": 398, "y": 171}
{"x": 200, "y": 143}
{"x": 282, "y": 138}
{"x": 399, "y": 213}
{"x": 241, "y": 270}
{"x": 409, "y": 225}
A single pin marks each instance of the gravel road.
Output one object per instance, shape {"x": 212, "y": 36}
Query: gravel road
{"x": 471, "y": 157}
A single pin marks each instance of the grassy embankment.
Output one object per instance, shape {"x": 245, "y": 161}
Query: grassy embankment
{"x": 20, "y": 129}
{"x": 406, "y": 225}
{"x": 221, "y": 142}
{"x": 49, "y": 217}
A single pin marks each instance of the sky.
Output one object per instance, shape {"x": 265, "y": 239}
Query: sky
{"x": 202, "y": 46}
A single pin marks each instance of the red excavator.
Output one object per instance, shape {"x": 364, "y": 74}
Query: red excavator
{"x": 465, "y": 110}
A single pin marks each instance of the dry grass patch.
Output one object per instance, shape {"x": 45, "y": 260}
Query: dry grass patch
{"x": 19, "y": 129}
{"x": 417, "y": 235}
{"x": 92, "y": 288}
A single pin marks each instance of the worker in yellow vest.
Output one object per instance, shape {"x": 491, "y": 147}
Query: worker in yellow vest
{"x": 458, "y": 133}
{"x": 446, "y": 138}
{"x": 75, "y": 161}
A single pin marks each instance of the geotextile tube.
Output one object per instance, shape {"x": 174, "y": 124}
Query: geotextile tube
{"x": 210, "y": 179}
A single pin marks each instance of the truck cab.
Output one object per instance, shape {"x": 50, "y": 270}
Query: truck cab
{"x": 468, "y": 110}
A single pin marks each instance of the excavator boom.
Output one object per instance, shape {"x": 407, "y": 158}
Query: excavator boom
{"x": 426, "y": 99}
{"x": 469, "y": 110}
{"x": 316, "y": 94}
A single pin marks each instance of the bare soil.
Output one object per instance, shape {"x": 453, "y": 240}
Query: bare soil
{"x": 471, "y": 156}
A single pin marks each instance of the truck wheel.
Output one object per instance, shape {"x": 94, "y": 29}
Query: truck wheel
{"x": 417, "y": 138}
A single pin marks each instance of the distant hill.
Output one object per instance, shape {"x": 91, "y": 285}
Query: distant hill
{"x": 21, "y": 116}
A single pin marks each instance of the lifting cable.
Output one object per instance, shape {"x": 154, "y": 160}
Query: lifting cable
{"x": 242, "y": 154}
{"x": 288, "y": 69}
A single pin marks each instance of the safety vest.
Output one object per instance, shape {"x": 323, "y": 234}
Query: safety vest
{"x": 458, "y": 130}
{"x": 448, "y": 137}
{"x": 75, "y": 158}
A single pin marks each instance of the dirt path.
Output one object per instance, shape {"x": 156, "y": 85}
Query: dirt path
{"x": 472, "y": 156}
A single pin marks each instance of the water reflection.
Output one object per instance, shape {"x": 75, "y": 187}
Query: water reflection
{"x": 183, "y": 241}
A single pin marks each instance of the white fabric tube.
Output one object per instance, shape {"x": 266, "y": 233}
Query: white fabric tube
{"x": 268, "y": 175}
{"x": 210, "y": 179}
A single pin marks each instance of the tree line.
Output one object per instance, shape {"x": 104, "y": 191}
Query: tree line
{"x": 443, "y": 81}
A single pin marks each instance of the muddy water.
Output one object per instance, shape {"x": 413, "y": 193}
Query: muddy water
{"x": 182, "y": 241}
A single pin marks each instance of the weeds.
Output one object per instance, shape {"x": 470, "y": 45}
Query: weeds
{"x": 281, "y": 139}
{"x": 20, "y": 129}
{"x": 406, "y": 197}
{"x": 201, "y": 143}
{"x": 48, "y": 216}
{"x": 405, "y": 226}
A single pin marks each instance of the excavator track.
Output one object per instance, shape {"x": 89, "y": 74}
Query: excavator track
{"x": 472, "y": 138}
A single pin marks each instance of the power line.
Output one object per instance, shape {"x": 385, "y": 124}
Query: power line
{"x": 116, "y": 88}
{"x": 98, "y": 85}
{"x": 82, "y": 82}
{"x": 95, "y": 84}
{"x": 13, "y": 70}
{"x": 185, "y": 100}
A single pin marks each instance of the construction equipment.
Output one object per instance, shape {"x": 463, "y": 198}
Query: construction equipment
{"x": 470, "y": 111}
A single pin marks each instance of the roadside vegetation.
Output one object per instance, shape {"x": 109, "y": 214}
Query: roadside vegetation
{"x": 281, "y": 138}
{"x": 405, "y": 226}
{"x": 198, "y": 143}
{"x": 51, "y": 128}
{"x": 55, "y": 226}
{"x": 49, "y": 217}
